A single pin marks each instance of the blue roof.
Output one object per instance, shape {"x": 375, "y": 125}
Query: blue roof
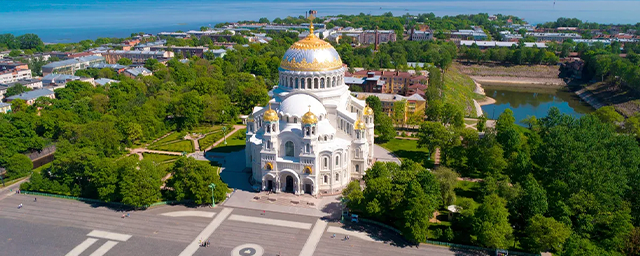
{"x": 30, "y": 95}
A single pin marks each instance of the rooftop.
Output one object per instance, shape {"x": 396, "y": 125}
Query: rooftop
{"x": 30, "y": 95}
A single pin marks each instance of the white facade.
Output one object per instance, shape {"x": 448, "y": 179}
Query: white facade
{"x": 314, "y": 137}
{"x": 11, "y": 76}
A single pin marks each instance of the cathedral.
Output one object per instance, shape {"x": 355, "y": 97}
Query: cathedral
{"x": 313, "y": 137}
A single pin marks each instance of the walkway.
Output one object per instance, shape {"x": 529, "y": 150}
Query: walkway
{"x": 235, "y": 129}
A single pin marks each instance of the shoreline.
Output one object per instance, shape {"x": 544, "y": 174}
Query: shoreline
{"x": 479, "y": 103}
{"x": 520, "y": 82}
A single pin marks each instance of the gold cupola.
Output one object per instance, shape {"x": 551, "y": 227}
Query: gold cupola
{"x": 309, "y": 117}
{"x": 368, "y": 111}
{"x": 311, "y": 54}
{"x": 359, "y": 125}
{"x": 270, "y": 115}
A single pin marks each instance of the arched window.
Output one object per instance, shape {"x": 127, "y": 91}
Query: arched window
{"x": 273, "y": 127}
{"x": 325, "y": 163}
{"x": 268, "y": 128}
{"x": 307, "y": 147}
{"x": 288, "y": 148}
{"x": 322, "y": 83}
{"x": 296, "y": 86}
{"x": 337, "y": 177}
{"x": 302, "y": 83}
{"x": 337, "y": 161}
{"x": 326, "y": 179}
{"x": 313, "y": 130}
{"x": 315, "y": 83}
{"x": 295, "y": 120}
{"x": 357, "y": 168}
{"x": 325, "y": 137}
{"x": 291, "y": 82}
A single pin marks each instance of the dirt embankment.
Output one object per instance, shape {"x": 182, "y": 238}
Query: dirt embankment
{"x": 519, "y": 76}
{"x": 625, "y": 101}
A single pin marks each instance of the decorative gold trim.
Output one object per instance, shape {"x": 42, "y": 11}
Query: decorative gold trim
{"x": 311, "y": 42}
{"x": 268, "y": 166}
{"x": 307, "y": 170}
{"x": 311, "y": 66}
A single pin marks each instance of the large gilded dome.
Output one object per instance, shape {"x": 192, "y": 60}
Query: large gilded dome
{"x": 311, "y": 54}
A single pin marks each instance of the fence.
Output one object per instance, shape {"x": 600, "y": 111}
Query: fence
{"x": 452, "y": 245}
{"x": 96, "y": 201}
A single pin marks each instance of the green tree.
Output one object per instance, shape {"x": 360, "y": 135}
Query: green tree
{"x": 16, "y": 89}
{"x": 18, "y": 105}
{"x": 545, "y": 234}
{"x": 482, "y": 123}
{"x": 191, "y": 181}
{"x": 432, "y": 135}
{"x": 491, "y": 225}
{"x": 417, "y": 214}
{"x": 608, "y": 114}
{"x": 447, "y": 178}
{"x": 140, "y": 183}
{"x": 125, "y": 61}
{"x": 18, "y": 165}
{"x": 399, "y": 111}
{"x": 30, "y": 41}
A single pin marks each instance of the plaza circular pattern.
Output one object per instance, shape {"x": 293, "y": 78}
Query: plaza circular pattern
{"x": 247, "y": 250}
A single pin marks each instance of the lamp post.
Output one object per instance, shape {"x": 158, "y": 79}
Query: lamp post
{"x": 213, "y": 200}
{"x": 224, "y": 129}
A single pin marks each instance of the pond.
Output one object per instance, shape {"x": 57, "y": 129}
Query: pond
{"x": 533, "y": 102}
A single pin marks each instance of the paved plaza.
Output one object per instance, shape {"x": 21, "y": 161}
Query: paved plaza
{"x": 53, "y": 226}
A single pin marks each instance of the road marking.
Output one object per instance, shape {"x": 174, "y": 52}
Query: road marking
{"x": 206, "y": 232}
{"x": 189, "y": 214}
{"x": 314, "y": 238}
{"x": 273, "y": 222}
{"x": 358, "y": 234}
{"x": 81, "y": 247}
{"x": 104, "y": 248}
{"x": 247, "y": 250}
{"x": 109, "y": 235}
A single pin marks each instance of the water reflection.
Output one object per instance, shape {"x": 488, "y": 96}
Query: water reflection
{"x": 533, "y": 102}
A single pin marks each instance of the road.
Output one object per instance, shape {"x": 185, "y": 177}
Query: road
{"x": 53, "y": 226}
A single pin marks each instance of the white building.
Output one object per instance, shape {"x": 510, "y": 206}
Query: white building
{"x": 314, "y": 137}
{"x": 10, "y": 76}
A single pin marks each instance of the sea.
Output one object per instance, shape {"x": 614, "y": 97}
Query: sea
{"x": 57, "y": 21}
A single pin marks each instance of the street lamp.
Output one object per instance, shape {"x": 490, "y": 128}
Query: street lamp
{"x": 213, "y": 200}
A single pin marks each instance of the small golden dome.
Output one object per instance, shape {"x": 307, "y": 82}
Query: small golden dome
{"x": 270, "y": 115}
{"x": 368, "y": 111}
{"x": 359, "y": 125}
{"x": 309, "y": 117}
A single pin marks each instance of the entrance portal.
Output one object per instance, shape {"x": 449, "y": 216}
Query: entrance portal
{"x": 269, "y": 185}
{"x": 288, "y": 184}
{"x": 308, "y": 189}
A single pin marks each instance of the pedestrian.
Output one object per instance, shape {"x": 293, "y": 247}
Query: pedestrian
{"x": 333, "y": 236}
{"x": 200, "y": 242}
{"x": 264, "y": 213}
{"x": 19, "y": 206}
{"x": 35, "y": 199}
{"x": 208, "y": 243}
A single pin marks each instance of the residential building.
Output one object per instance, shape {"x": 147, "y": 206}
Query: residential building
{"x": 135, "y": 72}
{"x": 180, "y": 35}
{"x": 370, "y": 83}
{"x": 378, "y": 36}
{"x": 105, "y": 81}
{"x": 396, "y": 82}
{"x": 29, "y": 83}
{"x": 13, "y": 75}
{"x": 31, "y": 96}
{"x": 186, "y": 51}
{"x": 115, "y": 67}
{"x": 477, "y": 33}
{"x": 493, "y": 44}
{"x": 70, "y": 66}
{"x": 147, "y": 46}
{"x": 417, "y": 35}
{"x": 218, "y": 53}
{"x": 60, "y": 80}
{"x": 5, "y": 107}
{"x": 414, "y": 103}
{"x": 542, "y": 37}
{"x": 10, "y": 65}
{"x": 112, "y": 57}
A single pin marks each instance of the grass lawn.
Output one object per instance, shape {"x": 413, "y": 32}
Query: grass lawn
{"x": 458, "y": 90}
{"x": 158, "y": 158}
{"x": 180, "y": 146}
{"x": 206, "y": 129}
{"x": 408, "y": 149}
{"x": 471, "y": 122}
{"x": 208, "y": 140}
{"x": 171, "y": 137}
{"x": 234, "y": 143}
{"x": 468, "y": 189}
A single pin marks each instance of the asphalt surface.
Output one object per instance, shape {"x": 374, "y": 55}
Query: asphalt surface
{"x": 54, "y": 226}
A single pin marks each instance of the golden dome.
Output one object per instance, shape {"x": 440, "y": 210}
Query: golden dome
{"x": 311, "y": 54}
{"x": 309, "y": 117}
{"x": 368, "y": 111}
{"x": 359, "y": 125}
{"x": 270, "y": 115}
